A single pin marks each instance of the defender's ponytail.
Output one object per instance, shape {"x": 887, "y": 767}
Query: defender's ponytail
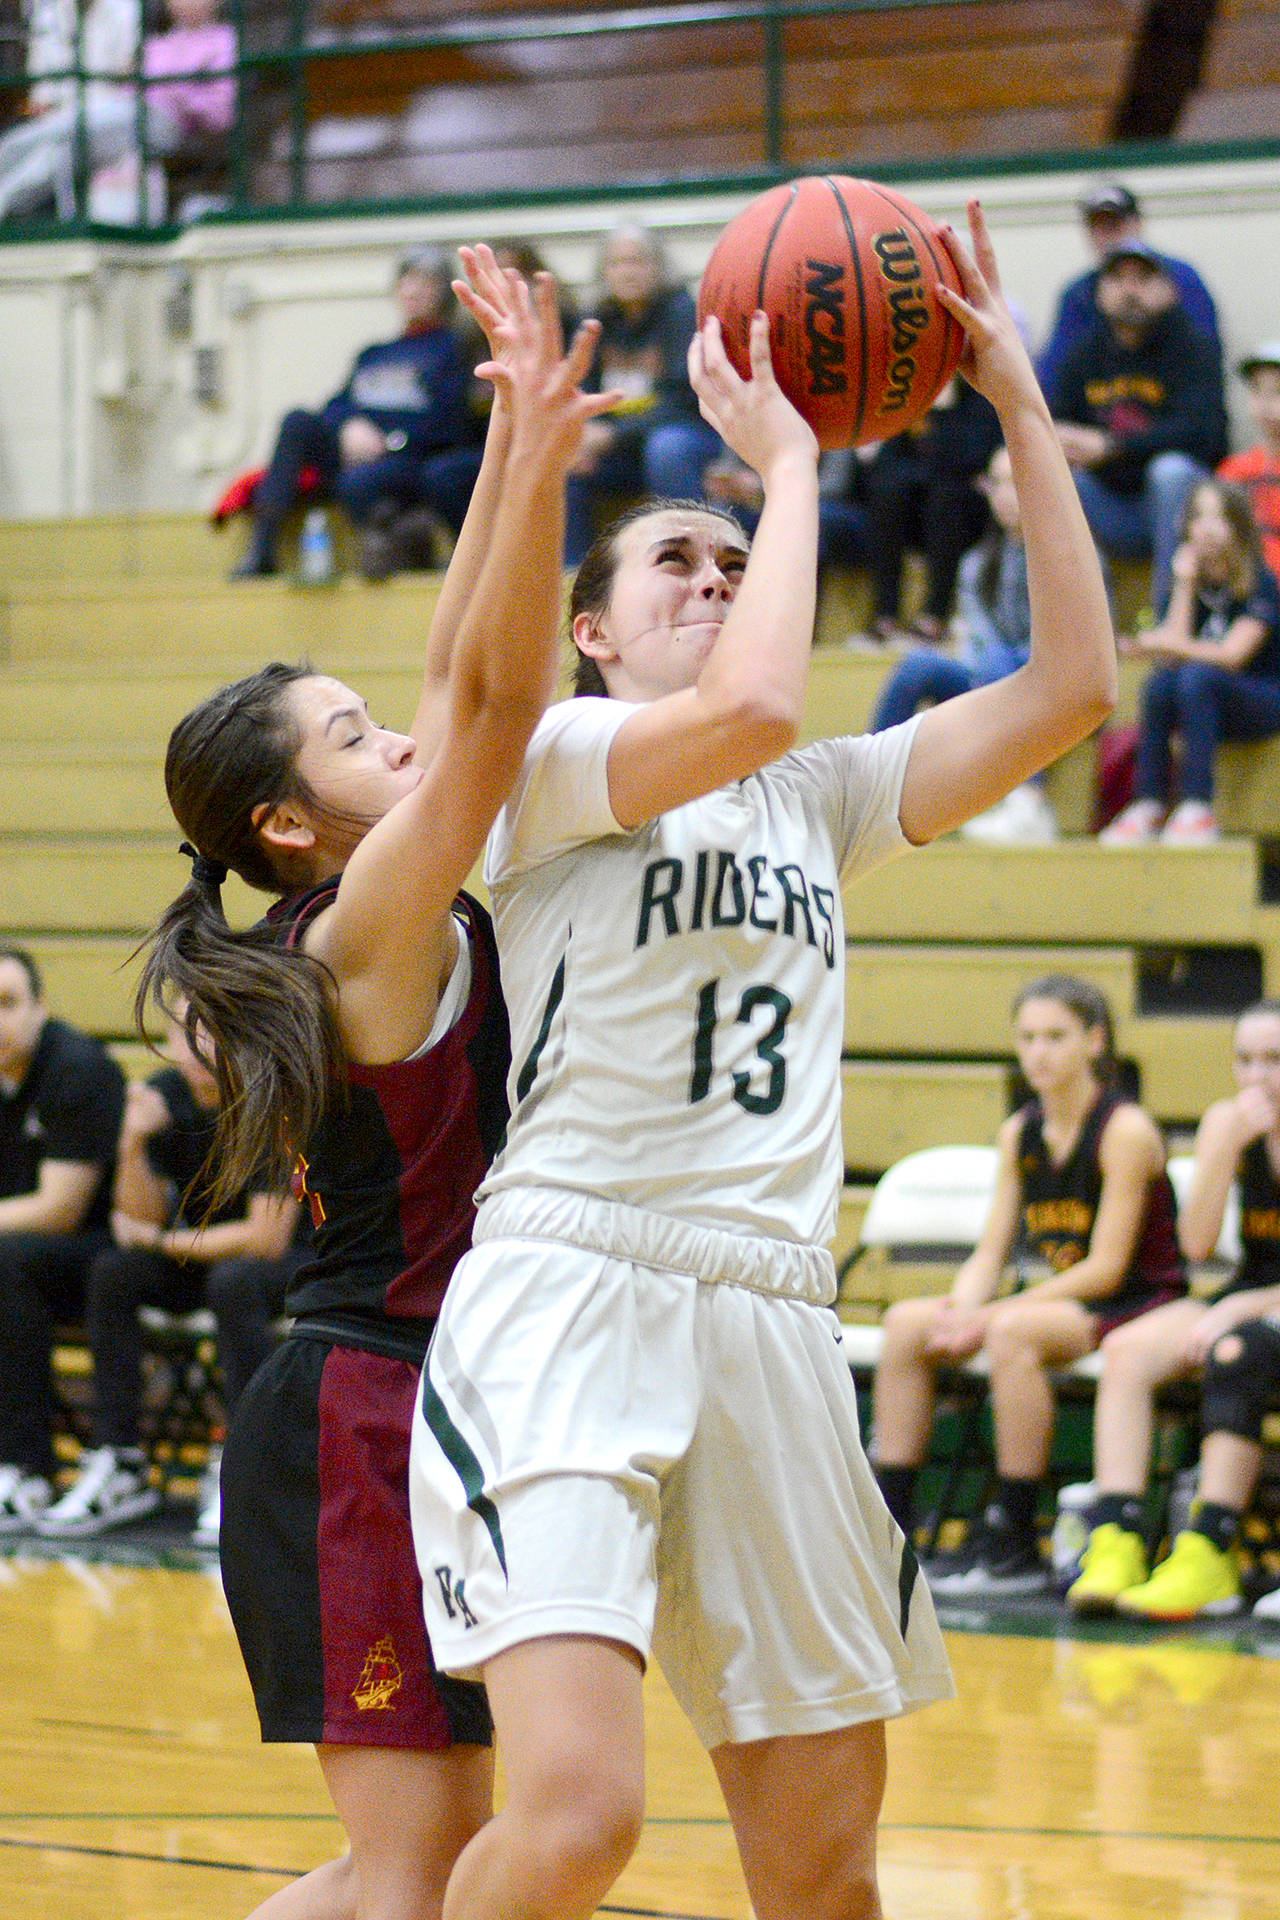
{"x": 266, "y": 1009}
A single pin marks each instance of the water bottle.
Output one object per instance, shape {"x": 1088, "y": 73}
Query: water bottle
{"x": 316, "y": 565}
{"x": 1071, "y": 1530}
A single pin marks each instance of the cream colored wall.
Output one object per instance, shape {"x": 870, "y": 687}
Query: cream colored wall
{"x": 110, "y": 403}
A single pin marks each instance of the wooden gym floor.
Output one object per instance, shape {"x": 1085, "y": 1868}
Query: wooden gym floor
{"x": 1101, "y": 1776}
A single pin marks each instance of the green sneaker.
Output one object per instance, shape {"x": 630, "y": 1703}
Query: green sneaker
{"x": 1195, "y": 1579}
{"x": 1114, "y": 1560}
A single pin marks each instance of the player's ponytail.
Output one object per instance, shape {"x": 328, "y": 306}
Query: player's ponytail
{"x": 266, "y": 1009}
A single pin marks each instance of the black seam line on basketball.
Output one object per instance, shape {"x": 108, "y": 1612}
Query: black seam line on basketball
{"x": 768, "y": 245}
{"x": 464, "y": 1463}
{"x": 156, "y": 1859}
{"x": 856, "y": 262}
{"x": 528, "y": 1072}
{"x": 948, "y": 318}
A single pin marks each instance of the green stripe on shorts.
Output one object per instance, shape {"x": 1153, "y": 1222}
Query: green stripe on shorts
{"x": 464, "y": 1463}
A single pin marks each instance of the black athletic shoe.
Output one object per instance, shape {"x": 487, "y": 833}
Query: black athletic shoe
{"x": 995, "y": 1560}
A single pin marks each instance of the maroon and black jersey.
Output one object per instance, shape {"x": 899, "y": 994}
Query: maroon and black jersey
{"x": 1060, "y": 1205}
{"x": 390, "y": 1175}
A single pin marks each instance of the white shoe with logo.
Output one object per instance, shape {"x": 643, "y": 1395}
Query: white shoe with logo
{"x": 109, "y": 1489}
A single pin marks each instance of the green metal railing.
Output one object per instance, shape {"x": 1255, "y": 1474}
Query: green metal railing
{"x": 282, "y": 47}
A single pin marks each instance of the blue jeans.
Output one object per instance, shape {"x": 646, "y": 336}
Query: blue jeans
{"x": 1135, "y": 525}
{"x": 669, "y": 462}
{"x": 925, "y": 675}
{"x": 1204, "y": 704}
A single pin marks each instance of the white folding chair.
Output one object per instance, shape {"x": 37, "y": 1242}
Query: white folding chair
{"x": 926, "y": 1214}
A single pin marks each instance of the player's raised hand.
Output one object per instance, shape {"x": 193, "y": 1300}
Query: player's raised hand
{"x": 994, "y": 360}
{"x": 753, "y": 416}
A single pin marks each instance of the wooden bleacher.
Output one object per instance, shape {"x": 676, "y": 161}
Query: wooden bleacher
{"x": 111, "y": 629}
{"x": 1002, "y": 77}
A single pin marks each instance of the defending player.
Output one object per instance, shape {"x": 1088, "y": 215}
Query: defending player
{"x": 363, "y": 1026}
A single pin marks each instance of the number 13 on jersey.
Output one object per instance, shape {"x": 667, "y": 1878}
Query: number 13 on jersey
{"x": 768, "y": 1046}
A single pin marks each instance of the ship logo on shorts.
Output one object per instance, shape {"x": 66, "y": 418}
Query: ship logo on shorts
{"x": 382, "y": 1677}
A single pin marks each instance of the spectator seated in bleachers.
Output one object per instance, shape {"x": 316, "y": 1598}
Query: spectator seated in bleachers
{"x": 190, "y": 106}
{"x": 1219, "y": 674}
{"x": 1235, "y": 1337}
{"x": 238, "y": 1261}
{"x": 1082, "y": 1195}
{"x": 1112, "y": 216}
{"x": 1257, "y": 469}
{"x": 395, "y": 433}
{"x": 408, "y": 539}
{"x": 38, "y": 159}
{"x": 61, "y": 1098}
{"x": 994, "y": 621}
{"x": 1138, "y": 402}
{"x": 656, "y": 442}
{"x": 920, "y": 491}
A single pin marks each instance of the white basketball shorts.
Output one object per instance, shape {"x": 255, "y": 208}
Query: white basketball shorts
{"x": 647, "y": 1454}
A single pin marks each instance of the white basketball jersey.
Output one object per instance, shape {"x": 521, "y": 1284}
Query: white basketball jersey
{"x": 676, "y": 993}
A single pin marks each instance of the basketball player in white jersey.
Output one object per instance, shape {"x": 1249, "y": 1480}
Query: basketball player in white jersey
{"x": 637, "y": 1432}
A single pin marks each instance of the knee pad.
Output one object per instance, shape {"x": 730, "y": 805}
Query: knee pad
{"x": 1241, "y": 1378}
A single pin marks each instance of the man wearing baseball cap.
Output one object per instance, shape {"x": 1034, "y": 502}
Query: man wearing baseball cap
{"x": 1112, "y": 216}
{"x": 1139, "y": 409}
{"x": 1257, "y": 469}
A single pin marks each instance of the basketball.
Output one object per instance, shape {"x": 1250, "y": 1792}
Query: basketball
{"x": 848, "y": 273}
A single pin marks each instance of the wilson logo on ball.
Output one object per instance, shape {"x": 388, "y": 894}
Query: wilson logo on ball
{"x": 824, "y": 326}
{"x": 849, "y": 274}
{"x": 900, "y": 266}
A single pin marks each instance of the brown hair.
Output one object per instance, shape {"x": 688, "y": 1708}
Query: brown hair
{"x": 1245, "y": 561}
{"x": 1091, "y": 1008}
{"x": 268, "y": 1009}
{"x": 593, "y": 582}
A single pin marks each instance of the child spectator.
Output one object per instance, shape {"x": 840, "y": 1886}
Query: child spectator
{"x": 656, "y": 441}
{"x": 1235, "y": 1337}
{"x": 1082, "y": 1193}
{"x": 1219, "y": 645}
{"x": 170, "y": 1252}
{"x": 994, "y": 609}
{"x": 61, "y": 1097}
{"x": 1257, "y": 470}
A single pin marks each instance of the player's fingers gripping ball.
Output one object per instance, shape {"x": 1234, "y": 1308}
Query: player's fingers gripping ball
{"x": 848, "y": 273}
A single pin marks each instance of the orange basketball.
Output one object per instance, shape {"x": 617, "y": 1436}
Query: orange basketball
{"x": 848, "y": 273}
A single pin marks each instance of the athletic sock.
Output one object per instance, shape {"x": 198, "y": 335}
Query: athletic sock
{"x": 898, "y": 1485}
{"x": 1217, "y": 1523}
{"x": 1118, "y": 1510}
{"x": 1017, "y": 1500}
